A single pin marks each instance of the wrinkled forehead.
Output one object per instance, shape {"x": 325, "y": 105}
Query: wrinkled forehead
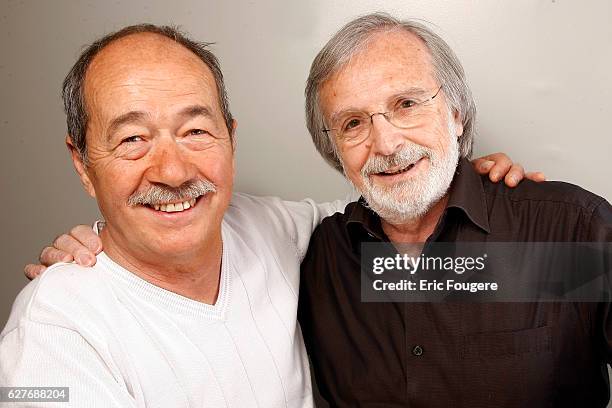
{"x": 147, "y": 72}
{"x": 387, "y": 63}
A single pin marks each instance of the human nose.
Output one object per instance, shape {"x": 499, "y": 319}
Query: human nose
{"x": 171, "y": 165}
{"x": 386, "y": 138}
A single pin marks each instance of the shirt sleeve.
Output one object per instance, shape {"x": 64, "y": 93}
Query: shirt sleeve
{"x": 600, "y": 230}
{"x": 601, "y": 223}
{"x": 306, "y": 215}
{"x": 42, "y": 355}
{"x": 287, "y": 221}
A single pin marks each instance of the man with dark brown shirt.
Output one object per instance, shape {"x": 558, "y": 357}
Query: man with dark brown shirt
{"x": 388, "y": 105}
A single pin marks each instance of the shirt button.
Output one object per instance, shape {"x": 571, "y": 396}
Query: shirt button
{"x": 417, "y": 350}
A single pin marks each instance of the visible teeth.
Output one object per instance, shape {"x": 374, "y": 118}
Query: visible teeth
{"x": 175, "y": 207}
{"x": 400, "y": 170}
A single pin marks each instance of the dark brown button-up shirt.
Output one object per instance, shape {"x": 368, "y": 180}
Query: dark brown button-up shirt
{"x": 458, "y": 354}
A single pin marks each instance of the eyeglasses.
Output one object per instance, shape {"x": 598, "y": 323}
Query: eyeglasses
{"x": 355, "y": 126}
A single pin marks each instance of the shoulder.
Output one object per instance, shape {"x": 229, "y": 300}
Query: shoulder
{"x": 333, "y": 230}
{"x": 268, "y": 207}
{"x": 253, "y": 208}
{"x": 273, "y": 217}
{"x": 59, "y": 294}
{"x": 565, "y": 211}
{"x": 338, "y": 221}
{"x": 553, "y": 192}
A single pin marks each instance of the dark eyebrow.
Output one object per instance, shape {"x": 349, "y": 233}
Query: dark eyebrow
{"x": 129, "y": 117}
{"x": 196, "y": 110}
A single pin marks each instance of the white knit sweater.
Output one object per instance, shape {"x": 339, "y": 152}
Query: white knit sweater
{"x": 119, "y": 341}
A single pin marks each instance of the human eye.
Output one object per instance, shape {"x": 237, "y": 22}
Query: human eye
{"x": 351, "y": 124}
{"x": 406, "y": 103}
{"x": 132, "y": 139}
{"x": 132, "y": 147}
{"x": 197, "y": 132}
{"x": 197, "y": 139}
{"x": 198, "y": 135}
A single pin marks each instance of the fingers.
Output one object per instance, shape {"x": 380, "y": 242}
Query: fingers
{"x": 537, "y": 176}
{"x": 499, "y": 165}
{"x": 87, "y": 237}
{"x": 32, "y": 271}
{"x": 514, "y": 175}
{"x": 81, "y": 245}
{"x": 482, "y": 165}
{"x": 500, "y": 168}
{"x": 50, "y": 256}
{"x": 67, "y": 244}
{"x": 496, "y": 165}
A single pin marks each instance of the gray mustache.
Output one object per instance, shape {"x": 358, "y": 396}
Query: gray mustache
{"x": 159, "y": 193}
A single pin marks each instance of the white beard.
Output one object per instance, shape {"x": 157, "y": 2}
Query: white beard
{"x": 411, "y": 199}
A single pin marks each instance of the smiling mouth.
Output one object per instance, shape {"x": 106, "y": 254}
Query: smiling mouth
{"x": 174, "y": 207}
{"x": 393, "y": 172}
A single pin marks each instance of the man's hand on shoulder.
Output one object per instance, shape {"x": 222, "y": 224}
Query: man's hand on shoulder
{"x": 499, "y": 165}
{"x": 81, "y": 245}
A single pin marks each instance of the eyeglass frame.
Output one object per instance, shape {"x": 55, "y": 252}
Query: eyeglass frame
{"x": 385, "y": 114}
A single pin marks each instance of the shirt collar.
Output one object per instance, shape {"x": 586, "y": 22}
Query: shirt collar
{"x": 362, "y": 219}
{"x": 466, "y": 193}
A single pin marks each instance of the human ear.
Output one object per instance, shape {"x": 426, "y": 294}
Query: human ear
{"x": 80, "y": 168}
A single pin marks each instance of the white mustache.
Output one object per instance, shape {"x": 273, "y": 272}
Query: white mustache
{"x": 160, "y": 193}
{"x": 408, "y": 155}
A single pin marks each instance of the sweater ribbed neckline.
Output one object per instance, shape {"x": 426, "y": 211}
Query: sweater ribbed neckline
{"x": 169, "y": 300}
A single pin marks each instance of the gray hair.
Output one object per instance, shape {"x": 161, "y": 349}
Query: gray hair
{"x": 73, "y": 87}
{"x": 351, "y": 39}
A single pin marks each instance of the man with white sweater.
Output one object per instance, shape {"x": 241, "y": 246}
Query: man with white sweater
{"x": 193, "y": 301}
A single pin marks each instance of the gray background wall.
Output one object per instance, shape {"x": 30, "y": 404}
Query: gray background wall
{"x": 540, "y": 72}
